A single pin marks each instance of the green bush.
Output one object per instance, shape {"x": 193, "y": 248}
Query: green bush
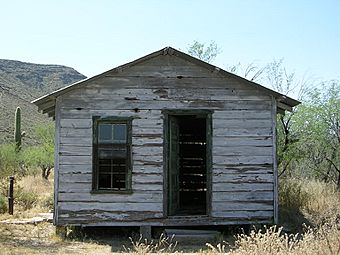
{"x": 3, "y": 204}
{"x": 4, "y": 183}
{"x": 9, "y": 160}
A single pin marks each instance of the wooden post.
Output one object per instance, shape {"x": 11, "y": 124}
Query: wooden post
{"x": 146, "y": 232}
{"x": 10, "y": 195}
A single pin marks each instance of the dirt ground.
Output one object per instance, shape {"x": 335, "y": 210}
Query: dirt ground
{"x": 41, "y": 239}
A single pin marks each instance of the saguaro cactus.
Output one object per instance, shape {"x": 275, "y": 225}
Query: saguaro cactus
{"x": 18, "y": 135}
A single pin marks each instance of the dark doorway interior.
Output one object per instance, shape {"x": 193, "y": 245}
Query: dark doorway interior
{"x": 190, "y": 166}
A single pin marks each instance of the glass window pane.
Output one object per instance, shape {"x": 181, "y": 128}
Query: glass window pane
{"x": 104, "y": 169}
{"x": 119, "y": 153}
{"x": 112, "y": 153}
{"x": 104, "y": 162}
{"x": 105, "y": 133}
{"x": 119, "y": 166}
{"x": 104, "y": 181}
{"x": 119, "y": 133}
{"x": 119, "y": 181}
{"x": 104, "y": 153}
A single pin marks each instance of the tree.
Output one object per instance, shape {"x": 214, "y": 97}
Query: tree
{"x": 308, "y": 138}
{"x": 203, "y": 52}
{"x": 42, "y": 155}
{"x": 251, "y": 72}
{"x": 9, "y": 160}
{"x": 318, "y": 125}
{"x": 284, "y": 82}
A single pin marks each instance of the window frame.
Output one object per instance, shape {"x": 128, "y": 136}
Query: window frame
{"x": 96, "y": 120}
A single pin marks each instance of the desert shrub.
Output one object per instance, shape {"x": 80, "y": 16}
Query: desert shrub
{"x": 47, "y": 202}
{"x": 143, "y": 246}
{"x": 3, "y": 205}
{"x": 267, "y": 241}
{"x": 41, "y": 156}
{"x": 9, "y": 160}
{"x": 33, "y": 191}
{"x": 4, "y": 182}
{"x": 25, "y": 199}
{"x": 324, "y": 203}
{"x": 292, "y": 194}
{"x": 221, "y": 247}
{"x": 324, "y": 240}
{"x": 308, "y": 201}
{"x": 36, "y": 184}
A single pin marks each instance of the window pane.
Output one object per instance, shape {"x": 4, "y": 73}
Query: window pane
{"x": 104, "y": 153}
{"x": 104, "y": 169}
{"x": 119, "y": 181}
{"x": 119, "y": 133}
{"x": 105, "y": 133}
{"x": 104, "y": 181}
{"x": 104, "y": 162}
{"x": 119, "y": 166}
{"x": 112, "y": 153}
{"x": 119, "y": 153}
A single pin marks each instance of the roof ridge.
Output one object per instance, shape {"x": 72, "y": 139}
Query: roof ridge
{"x": 168, "y": 51}
{"x": 47, "y": 100}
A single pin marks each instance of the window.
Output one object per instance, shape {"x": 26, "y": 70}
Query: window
{"x": 112, "y": 154}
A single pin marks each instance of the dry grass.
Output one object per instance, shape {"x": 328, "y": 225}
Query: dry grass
{"x": 40, "y": 239}
{"x": 143, "y": 246}
{"x": 308, "y": 201}
{"x": 271, "y": 241}
{"x": 301, "y": 201}
{"x": 324, "y": 203}
{"x": 313, "y": 202}
{"x": 37, "y": 184}
{"x": 32, "y": 195}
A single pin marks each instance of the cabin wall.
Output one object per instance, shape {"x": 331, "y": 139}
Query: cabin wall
{"x": 242, "y": 165}
{"x": 242, "y": 152}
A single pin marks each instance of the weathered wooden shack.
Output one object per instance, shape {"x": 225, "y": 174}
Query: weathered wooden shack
{"x": 165, "y": 140}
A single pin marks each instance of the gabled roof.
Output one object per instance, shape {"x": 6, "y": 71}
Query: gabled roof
{"x": 46, "y": 103}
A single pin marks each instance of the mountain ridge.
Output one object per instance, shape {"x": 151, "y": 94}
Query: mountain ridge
{"x": 20, "y": 83}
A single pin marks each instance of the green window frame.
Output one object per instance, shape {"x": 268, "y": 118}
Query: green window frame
{"x": 112, "y": 151}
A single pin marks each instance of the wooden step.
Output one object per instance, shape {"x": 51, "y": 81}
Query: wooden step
{"x": 192, "y": 235}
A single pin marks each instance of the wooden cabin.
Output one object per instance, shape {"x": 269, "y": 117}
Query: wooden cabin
{"x": 165, "y": 140}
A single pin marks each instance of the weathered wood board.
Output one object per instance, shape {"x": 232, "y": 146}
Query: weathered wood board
{"x": 243, "y": 182}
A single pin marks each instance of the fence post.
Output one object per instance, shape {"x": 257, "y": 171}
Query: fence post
{"x": 10, "y": 195}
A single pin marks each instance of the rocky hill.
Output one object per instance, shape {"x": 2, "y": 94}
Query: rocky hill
{"x": 22, "y": 82}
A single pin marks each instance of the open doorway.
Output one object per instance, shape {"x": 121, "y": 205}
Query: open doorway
{"x": 187, "y": 164}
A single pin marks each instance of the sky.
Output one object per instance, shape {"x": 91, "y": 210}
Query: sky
{"x": 95, "y": 36}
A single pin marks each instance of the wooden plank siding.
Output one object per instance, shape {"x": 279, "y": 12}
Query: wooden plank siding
{"x": 57, "y": 167}
{"x": 242, "y": 144}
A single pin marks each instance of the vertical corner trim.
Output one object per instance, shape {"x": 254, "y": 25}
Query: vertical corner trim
{"x": 56, "y": 160}
{"x": 275, "y": 170}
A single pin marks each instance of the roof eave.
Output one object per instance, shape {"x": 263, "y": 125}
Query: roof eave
{"x": 282, "y": 98}
{"x": 49, "y": 99}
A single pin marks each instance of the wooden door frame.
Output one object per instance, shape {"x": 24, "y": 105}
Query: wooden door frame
{"x": 208, "y": 116}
